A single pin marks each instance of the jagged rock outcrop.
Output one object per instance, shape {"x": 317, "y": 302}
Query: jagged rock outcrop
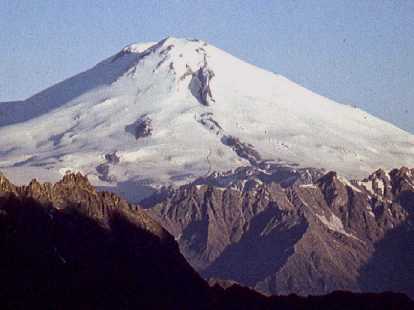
{"x": 206, "y": 119}
{"x": 104, "y": 169}
{"x": 66, "y": 246}
{"x": 243, "y": 178}
{"x": 200, "y": 82}
{"x": 242, "y": 149}
{"x": 141, "y": 128}
{"x": 5, "y": 185}
{"x": 296, "y": 237}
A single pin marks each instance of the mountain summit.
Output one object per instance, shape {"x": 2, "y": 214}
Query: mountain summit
{"x": 168, "y": 112}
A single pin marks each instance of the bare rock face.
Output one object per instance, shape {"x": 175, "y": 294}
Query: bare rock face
{"x": 67, "y": 246}
{"x": 244, "y": 150}
{"x": 305, "y": 236}
{"x": 141, "y": 128}
{"x": 200, "y": 84}
{"x": 5, "y": 185}
{"x": 244, "y": 178}
{"x": 103, "y": 169}
{"x": 207, "y": 120}
{"x": 112, "y": 158}
{"x": 75, "y": 191}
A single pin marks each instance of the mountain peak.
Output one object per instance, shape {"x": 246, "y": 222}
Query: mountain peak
{"x": 183, "y": 62}
{"x": 187, "y": 109}
{"x": 137, "y": 48}
{"x": 168, "y": 42}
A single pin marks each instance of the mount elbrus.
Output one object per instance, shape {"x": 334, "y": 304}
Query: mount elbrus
{"x": 167, "y": 113}
{"x": 231, "y": 159}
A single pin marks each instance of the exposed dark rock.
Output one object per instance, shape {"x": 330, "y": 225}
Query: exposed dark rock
{"x": 141, "y": 128}
{"x": 283, "y": 232}
{"x": 242, "y": 149}
{"x": 171, "y": 67}
{"x": 159, "y": 64}
{"x": 200, "y": 84}
{"x": 167, "y": 49}
{"x": 187, "y": 73}
{"x": 250, "y": 177}
{"x": 207, "y": 120}
{"x": 104, "y": 168}
{"x": 112, "y": 158}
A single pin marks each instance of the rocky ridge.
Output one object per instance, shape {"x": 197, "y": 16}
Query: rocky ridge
{"x": 66, "y": 246}
{"x": 306, "y": 236}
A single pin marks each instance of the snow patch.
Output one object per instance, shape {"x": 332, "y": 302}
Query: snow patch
{"x": 335, "y": 224}
{"x": 368, "y": 186}
{"x": 308, "y": 186}
{"x": 65, "y": 170}
{"x": 349, "y": 184}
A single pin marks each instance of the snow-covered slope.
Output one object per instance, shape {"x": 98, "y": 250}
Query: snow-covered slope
{"x": 167, "y": 112}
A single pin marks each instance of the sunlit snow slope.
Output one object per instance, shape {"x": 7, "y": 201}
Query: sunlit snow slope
{"x": 166, "y": 112}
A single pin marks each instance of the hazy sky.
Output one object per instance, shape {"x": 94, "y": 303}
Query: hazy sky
{"x": 355, "y": 52}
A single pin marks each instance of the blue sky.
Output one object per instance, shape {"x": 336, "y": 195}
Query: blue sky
{"x": 355, "y": 52}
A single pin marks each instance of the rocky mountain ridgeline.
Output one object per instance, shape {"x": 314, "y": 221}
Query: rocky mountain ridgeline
{"x": 307, "y": 236}
{"x": 67, "y": 246}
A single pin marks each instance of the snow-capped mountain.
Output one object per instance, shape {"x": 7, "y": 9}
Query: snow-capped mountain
{"x": 169, "y": 112}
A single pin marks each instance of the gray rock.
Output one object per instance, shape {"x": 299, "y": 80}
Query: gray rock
{"x": 141, "y": 128}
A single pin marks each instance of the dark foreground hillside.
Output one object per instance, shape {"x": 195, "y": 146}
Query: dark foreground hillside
{"x": 66, "y": 246}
